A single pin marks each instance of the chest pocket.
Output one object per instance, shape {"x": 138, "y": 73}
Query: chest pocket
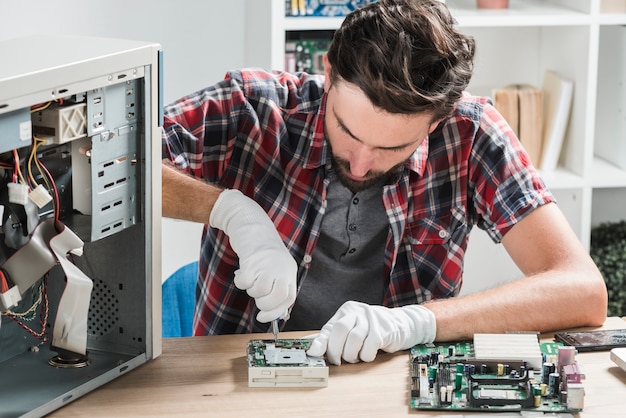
{"x": 440, "y": 229}
{"x": 438, "y": 246}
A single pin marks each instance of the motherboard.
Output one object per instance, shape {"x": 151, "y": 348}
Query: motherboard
{"x": 496, "y": 372}
{"x": 326, "y": 8}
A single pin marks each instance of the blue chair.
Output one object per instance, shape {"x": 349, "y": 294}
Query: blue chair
{"x": 178, "y": 301}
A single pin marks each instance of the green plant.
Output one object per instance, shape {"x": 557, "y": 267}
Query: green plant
{"x": 608, "y": 250}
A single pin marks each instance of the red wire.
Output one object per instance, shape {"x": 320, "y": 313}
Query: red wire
{"x": 43, "y": 316}
{"x": 16, "y": 157}
{"x": 4, "y": 285}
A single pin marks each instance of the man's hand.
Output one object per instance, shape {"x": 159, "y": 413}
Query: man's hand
{"x": 357, "y": 331}
{"x": 267, "y": 272}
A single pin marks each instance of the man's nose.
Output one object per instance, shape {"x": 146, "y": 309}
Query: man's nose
{"x": 361, "y": 161}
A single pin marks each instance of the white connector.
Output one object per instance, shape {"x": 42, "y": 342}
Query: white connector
{"x": 10, "y": 298}
{"x": 18, "y": 193}
{"x": 40, "y": 196}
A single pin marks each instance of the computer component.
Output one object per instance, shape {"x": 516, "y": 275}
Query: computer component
{"x": 284, "y": 363}
{"x": 618, "y": 356}
{"x": 496, "y": 373}
{"x": 328, "y": 8}
{"x": 304, "y": 50}
{"x": 80, "y": 158}
{"x": 594, "y": 340}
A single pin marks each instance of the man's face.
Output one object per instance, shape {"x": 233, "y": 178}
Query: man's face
{"x": 368, "y": 143}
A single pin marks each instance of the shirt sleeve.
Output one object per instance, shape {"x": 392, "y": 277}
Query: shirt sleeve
{"x": 197, "y": 128}
{"x": 506, "y": 185}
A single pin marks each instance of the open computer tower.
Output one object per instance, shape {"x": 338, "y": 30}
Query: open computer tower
{"x": 80, "y": 157}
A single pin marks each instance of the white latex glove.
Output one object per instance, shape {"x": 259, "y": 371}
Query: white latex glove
{"x": 267, "y": 272}
{"x": 357, "y": 331}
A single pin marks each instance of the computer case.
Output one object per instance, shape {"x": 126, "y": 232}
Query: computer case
{"x": 79, "y": 119}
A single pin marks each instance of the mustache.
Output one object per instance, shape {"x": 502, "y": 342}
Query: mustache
{"x": 345, "y": 166}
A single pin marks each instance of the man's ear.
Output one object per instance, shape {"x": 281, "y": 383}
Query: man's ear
{"x": 434, "y": 125}
{"x": 327, "y": 68}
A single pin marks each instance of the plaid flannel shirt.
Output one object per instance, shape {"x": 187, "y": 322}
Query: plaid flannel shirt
{"x": 262, "y": 133}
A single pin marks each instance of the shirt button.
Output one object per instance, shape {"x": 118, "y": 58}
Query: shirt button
{"x": 355, "y": 201}
{"x": 443, "y": 233}
{"x": 352, "y": 227}
{"x": 352, "y": 251}
{"x": 307, "y": 258}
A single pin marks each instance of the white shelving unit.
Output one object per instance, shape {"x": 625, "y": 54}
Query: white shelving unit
{"x": 517, "y": 45}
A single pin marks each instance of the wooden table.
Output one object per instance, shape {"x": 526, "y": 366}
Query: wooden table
{"x": 208, "y": 377}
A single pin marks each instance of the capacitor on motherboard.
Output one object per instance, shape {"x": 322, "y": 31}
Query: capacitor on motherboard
{"x": 451, "y": 351}
{"x": 536, "y": 396}
{"x": 500, "y": 369}
{"x": 459, "y": 367}
{"x": 546, "y": 369}
{"x": 458, "y": 381}
{"x": 506, "y": 369}
{"x": 472, "y": 369}
{"x": 483, "y": 368}
{"x": 442, "y": 394}
{"x": 554, "y": 383}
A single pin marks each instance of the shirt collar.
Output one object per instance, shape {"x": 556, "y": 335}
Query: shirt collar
{"x": 417, "y": 161}
{"x": 319, "y": 151}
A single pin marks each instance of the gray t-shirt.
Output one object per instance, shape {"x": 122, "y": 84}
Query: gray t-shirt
{"x": 348, "y": 262}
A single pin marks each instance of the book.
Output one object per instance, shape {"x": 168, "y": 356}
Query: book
{"x": 558, "y": 92}
{"x": 530, "y": 121}
{"x": 506, "y": 101}
{"x": 521, "y": 106}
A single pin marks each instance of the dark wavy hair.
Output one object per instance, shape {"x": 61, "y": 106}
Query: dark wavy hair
{"x": 407, "y": 56}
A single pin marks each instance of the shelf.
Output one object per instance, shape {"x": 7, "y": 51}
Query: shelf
{"x": 295, "y": 23}
{"x": 519, "y": 13}
{"x": 612, "y": 19}
{"x": 605, "y": 174}
{"x": 561, "y": 178}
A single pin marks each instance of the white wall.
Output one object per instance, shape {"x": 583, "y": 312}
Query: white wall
{"x": 201, "y": 40}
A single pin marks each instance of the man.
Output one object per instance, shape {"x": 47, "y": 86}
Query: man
{"x": 356, "y": 192}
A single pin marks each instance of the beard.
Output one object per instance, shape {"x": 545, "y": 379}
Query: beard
{"x": 372, "y": 178}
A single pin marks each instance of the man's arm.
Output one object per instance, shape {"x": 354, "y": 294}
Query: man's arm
{"x": 185, "y": 197}
{"x": 267, "y": 272}
{"x": 562, "y": 287}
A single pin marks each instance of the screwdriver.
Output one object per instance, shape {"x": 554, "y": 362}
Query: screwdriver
{"x": 284, "y": 317}
{"x": 275, "y": 330}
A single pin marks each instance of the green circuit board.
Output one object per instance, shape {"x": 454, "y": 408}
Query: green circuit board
{"x": 281, "y": 353}
{"x": 326, "y": 8}
{"x": 284, "y": 363}
{"x": 304, "y": 51}
{"x": 449, "y": 377}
